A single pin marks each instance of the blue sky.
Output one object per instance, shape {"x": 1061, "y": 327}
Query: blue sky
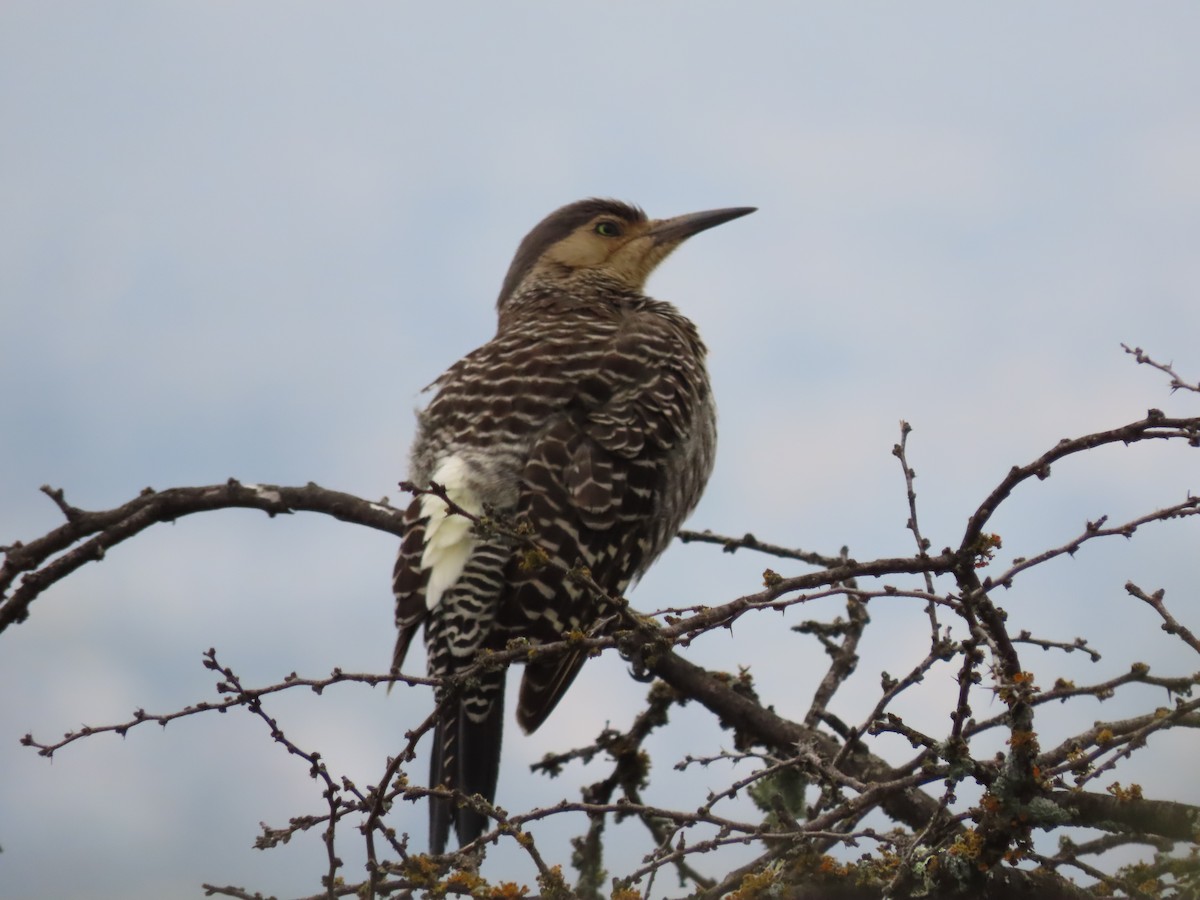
{"x": 238, "y": 239}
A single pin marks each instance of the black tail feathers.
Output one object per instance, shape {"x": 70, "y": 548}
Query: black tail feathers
{"x": 466, "y": 758}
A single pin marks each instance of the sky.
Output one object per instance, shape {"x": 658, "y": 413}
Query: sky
{"x": 236, "y": 240}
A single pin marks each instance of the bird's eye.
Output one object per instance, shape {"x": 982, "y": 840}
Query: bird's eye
{"x": 607, "y": 229}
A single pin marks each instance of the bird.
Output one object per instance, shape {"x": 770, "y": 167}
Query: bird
{"x": 588, "y": 420}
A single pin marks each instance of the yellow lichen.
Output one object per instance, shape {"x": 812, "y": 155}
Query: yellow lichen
{"x": 507, "y": 890}
{"x": 754, "y": 885}
{"x": 533, "y": 558}
{"x": 1125, "y": 794}
{"x": 421, "y": 870}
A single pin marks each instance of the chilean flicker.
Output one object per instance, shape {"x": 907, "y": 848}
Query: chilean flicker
{"x": 588, "y": 417}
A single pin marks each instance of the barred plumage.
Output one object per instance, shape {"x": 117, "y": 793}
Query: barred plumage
{"x": 590, "y": 417}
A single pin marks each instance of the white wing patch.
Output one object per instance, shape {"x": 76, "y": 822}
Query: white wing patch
{"x": 448, "y": 538}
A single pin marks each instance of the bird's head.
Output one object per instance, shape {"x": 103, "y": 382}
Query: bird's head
{"x": 605, "y": 239}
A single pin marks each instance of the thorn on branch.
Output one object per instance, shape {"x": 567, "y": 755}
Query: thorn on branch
{"x": 1143, "y": 358}
{"x": 70, "y": 513}
{"x": 1169, "y": 624}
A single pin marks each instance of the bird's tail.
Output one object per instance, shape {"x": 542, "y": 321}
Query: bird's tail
{"x": 466, "y": 758}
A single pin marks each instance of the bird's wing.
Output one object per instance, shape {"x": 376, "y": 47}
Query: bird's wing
{"x": 409, "y": 581}
{"x": 565, "y": 471}
{"x": 653, "y": 404}
{"x": 593, "y": 488}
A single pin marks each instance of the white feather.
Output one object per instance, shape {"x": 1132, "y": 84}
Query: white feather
{"x": 448, "y": 538}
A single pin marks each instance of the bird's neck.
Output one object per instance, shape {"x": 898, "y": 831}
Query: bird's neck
{"x": 579, "y": 295}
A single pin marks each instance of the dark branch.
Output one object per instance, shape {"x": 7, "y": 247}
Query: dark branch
{"x": 87, "y": 536}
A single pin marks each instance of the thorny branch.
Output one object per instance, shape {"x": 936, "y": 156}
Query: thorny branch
{"x": 812, "y": 781}
{"x": 1177, "y": 383}
{"x": 87, "y": 536}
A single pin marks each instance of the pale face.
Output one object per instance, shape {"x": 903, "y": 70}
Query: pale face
{"x": 625, "y": 250}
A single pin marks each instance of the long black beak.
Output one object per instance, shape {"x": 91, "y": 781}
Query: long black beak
{"x": 679, "y": 228}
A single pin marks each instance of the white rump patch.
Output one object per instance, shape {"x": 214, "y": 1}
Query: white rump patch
{"x": 448, "y": 538}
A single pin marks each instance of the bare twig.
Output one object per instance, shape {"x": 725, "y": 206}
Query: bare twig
{"x": 1177, "y": 383}
{"x": 88, "y": 536}
{"x": 750, "y": 542}
{"x": 1170, "y": 625}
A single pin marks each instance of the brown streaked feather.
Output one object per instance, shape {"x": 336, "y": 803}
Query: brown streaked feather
{"x": 543, "y": 685}
{"x": 409, "y": 581}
